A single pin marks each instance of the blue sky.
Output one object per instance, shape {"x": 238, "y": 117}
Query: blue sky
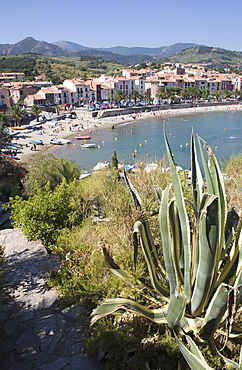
{"x": 106, "y": 23}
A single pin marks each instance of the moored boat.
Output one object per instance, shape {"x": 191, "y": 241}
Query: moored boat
{"x": 36, "y": 142}
{"x": 55, "y": 141}
{"x": 82, "y": 137}
{"x": 101, "y": 165}
{"x": 90, "y": 145}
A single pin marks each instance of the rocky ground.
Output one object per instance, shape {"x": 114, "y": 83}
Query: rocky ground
{"x": 35, "y": 332}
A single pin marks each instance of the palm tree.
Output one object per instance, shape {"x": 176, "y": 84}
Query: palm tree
{"x": 36, "y": 110}
{"x": 18, "y": 113}
{"x": 119, "y": 96}
{"x": 135, "y": 95}
{"x": 160, "y": 94}
{"x": 5, "y": 119}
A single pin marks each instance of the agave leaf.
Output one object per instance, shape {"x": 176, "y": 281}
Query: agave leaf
{"x": 197, "y": 180}
{"x": 207, "y": 244}
{"x": 176, "y": 310}
{"x": 185, "y": 227}
{"x": 151, "y": 257}
{"x": 159, "y": 316}
{"x": 215, "y": 185}
{"x": 194, "y": 357}
{"x": 230, "y": 363}
{"x": 137, "y": 285}
{"x": 134, "y": 193}
{"x": 177, "y": 247}
{"x": 233, "y": 264}
{"x": 214, "y": 312}
{"x": 166, "y": 240}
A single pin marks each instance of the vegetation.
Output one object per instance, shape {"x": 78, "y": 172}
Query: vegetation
{"x": 11, "y": 175}
{"x": 52, "y": 170}
{"x": 92, "y": 217}
{"x": 18, "y": 113}
{"x": 198, "y": 275}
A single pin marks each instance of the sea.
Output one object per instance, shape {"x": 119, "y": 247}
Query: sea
{"x": 145, "y": 137}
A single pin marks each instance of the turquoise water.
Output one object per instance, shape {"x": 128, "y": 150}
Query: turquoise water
{"x": 222, "y": 131}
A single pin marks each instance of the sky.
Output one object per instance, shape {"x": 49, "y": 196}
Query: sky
{"x": 106, "y": 23}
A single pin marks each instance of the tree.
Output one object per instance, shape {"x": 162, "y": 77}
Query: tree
{"x": 119, "y": 96}
{"x": 5, "y": 138}
{"x": 135, "y": 95}
{"x": 48, "y": 168}
{"x": 36, "y": 110}
{"x": 44, "y": 215}
{"x": 114, "y": 165}
{"x": 18, "y": 113}
{"x": 11, "y": 174}
{"x": 160, "y": 94}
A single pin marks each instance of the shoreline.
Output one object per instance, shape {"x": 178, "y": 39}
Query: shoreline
{"x": 68, "y": 129}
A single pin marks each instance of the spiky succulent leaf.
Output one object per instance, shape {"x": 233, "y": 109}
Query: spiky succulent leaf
{"x": 151, "y": 257}
{"x": 215, "y": 312}
{"x": 176, "y": 310}
{"x": 185, "y": 228}
{"x": 193, "y": 357}
{"x": 159, "y": 316}
{"x": 166, "y": 240}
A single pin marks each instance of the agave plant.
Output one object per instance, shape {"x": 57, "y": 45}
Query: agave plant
{"x": 197, "y": 281}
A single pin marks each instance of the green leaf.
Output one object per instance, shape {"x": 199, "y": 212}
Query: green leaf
{"x": 194, "y": 360}
{"x": 166, "y": 240}
{"x": 207, "y": 247}
{"x": 176, "y": 310}
{"x": 215, "y": 312}
{"x": 159, "y": 316}
{"x": 151, "y": 257}
{"x": 185, "y": 228}
{"x": 197, "y": 180}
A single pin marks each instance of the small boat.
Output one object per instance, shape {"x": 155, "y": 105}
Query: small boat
{"x": 101, "y": 165}
{"x": 82, "y": 137}
{"x": 85, "y": 145}
{"x": 65, "y": 141}
{"x": 36, "y": 142}
{"x": 55, "y": 141}
{"x": 18, "y": 127}
{"x": 84, "y": 174}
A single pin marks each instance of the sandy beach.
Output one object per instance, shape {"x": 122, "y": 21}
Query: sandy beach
{"x": 69, "y": 128}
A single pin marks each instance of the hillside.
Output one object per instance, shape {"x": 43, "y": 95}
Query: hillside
{"x": 213, "y": 58}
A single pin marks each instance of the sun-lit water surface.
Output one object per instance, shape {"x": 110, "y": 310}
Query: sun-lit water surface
{"x": 222, "y": 131}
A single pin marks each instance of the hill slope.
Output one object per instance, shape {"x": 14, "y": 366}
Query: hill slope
{"x": 210, "y": 56}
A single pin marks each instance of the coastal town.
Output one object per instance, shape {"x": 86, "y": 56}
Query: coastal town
{"x": 146, "y": 82}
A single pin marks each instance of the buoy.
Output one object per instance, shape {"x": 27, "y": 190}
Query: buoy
{"x": 103, "y": 142}
{"x": 98, "y": 146}
{"x": 116, "y": 138}
{"x": 181, "y": 146}
{"x": 140, "y": 144}
{"x": 84, "y": 140}
{"x": 74, "y": 144}
{"x": 135, "y": 150}
{"x": 172, "y": 154}
{"x": 145, "y": 141}
{"x": 216, "y": 147}
{"x": 187, "y": 144}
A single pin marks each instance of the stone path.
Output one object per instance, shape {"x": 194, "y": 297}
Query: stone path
{"x": 35, "y": 333}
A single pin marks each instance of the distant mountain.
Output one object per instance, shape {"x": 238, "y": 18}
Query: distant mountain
{"x": 30, "y": 45}
{"x": 163, "y": 51}
{"x": 70, "y": 46}
{"x": 177, "y": 53}
{"x": 209, "y": 56}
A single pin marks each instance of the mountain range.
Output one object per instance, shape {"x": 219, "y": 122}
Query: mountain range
{"x": 211, "y": 57}
{"x": 119, "y": 54}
